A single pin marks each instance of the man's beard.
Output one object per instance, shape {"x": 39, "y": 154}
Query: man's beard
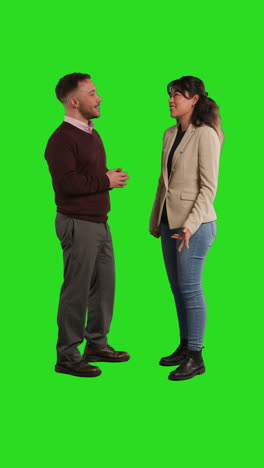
{"x": 86, "y": 115}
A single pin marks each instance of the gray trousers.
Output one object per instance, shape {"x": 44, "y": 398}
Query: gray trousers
{"x": 89, "y": 284}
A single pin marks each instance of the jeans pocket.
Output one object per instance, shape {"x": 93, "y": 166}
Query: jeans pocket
{"x": 213, "y": 226}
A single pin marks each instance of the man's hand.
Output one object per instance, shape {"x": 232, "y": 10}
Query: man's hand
{"x": 185, "y": 236}
{"x": 117, "y": 178}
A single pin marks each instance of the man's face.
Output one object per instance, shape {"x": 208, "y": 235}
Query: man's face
{"x": 86, "y": 100}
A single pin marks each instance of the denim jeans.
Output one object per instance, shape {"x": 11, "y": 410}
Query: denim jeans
{"x": 184, "y": 270}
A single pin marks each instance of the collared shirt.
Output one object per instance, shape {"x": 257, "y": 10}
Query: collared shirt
{"x": 79, "y": 124}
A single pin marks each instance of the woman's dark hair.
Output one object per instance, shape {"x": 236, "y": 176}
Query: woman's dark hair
{"x": 206, "y": 111}
{"x": 68, "y": 83}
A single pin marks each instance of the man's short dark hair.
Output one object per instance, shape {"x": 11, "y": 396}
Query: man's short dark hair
{"x": 68, "y": 83}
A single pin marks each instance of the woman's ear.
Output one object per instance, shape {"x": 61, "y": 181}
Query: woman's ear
{"x": 195, "y": 99}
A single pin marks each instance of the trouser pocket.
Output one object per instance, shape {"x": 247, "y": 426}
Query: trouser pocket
{"x": 64, "y": 226}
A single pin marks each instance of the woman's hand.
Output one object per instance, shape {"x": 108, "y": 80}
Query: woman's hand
{"x": 185, "y": 236}
{"x": 155, "y": 234}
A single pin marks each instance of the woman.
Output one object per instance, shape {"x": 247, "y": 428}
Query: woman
{"x": 183, "y": 213}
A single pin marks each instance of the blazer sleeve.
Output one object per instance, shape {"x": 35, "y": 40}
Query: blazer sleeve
{"x": 208, "y": 163}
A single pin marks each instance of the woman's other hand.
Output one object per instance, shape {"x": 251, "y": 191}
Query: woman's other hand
{"x": 185, "y": 237}
{"x": 155, "y": 234}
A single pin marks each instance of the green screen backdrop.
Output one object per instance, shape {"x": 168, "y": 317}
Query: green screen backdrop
{"x": 131, "y": 416}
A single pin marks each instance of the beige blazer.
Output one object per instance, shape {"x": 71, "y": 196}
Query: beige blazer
{"x": 190, "y": 190}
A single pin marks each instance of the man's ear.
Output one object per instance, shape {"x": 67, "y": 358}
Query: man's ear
{"x": 73, "y": 102}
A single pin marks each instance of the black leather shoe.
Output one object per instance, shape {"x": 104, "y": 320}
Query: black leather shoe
{"x": 79, "y": 369}
{"x": 106, "y": 354}
{"x": 192, "y": 365}
{"x": 177, "y": 357}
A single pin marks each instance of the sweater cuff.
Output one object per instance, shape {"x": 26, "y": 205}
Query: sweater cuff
{"x": 105, "y": 183}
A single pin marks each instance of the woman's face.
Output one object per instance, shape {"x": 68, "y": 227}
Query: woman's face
{"x": 180, "y": 106}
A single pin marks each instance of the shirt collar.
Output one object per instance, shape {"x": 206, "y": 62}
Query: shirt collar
{"x": 88, "y": 128}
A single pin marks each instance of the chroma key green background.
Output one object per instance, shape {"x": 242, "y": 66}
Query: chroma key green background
{"x": 131, "y": 415}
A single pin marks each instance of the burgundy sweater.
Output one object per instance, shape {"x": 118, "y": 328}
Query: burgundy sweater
{"x": 77, "y": 164}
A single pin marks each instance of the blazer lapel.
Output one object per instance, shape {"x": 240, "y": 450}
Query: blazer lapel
{"x": 167, "y": 149}
{"x": 180, "y": 148}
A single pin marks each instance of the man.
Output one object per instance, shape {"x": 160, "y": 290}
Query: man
{"x": 81, "y": 181}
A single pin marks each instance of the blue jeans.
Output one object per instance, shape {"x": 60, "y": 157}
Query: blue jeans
{"x": 184, "y": 270}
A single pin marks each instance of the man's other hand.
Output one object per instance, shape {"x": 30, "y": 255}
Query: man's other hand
{"x": 117, "y": 178}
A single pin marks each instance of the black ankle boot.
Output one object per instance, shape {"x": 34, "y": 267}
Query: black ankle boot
{"x": 178, "y": 356}
{"x": 192, "y": 365}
